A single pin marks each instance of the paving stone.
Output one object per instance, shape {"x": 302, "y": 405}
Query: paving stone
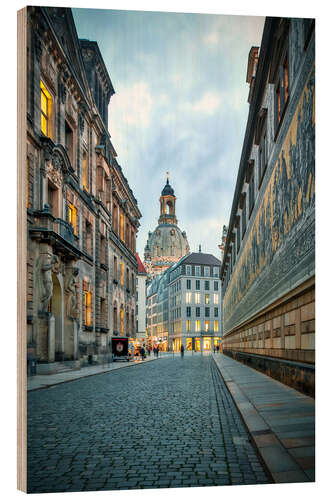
{"x": 101, "y": 433}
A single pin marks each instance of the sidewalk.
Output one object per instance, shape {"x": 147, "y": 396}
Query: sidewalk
{"x": 43, "y": 381}
{"x": 280, "y": 420}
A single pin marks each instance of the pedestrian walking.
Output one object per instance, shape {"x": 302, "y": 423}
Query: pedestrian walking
{"x": 142, "y": 352}
{"x": 217, "y": 348}
{"x": 157, "y": 350}
{"x": 182, "y": 351}
{"x": 214, "y": 349}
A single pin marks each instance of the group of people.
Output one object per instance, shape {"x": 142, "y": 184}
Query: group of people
{"x": 142, "y": 352}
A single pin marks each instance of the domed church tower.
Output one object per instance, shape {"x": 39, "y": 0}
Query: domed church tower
{"x": 167, "y": 243}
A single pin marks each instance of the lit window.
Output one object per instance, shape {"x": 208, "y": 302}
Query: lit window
{"x": 72, "y": 217}
{"x": 122, "y": 226}
{"x": 46, "y": 110}
{"x": 188, "y": 297}
{"x": 121, "y": 320}
{"x": 206, "y": 326}
{"x": 197, "y": 298}
{"x": 216, "y": 298}
{"x": 206, "y": 298}
{"x": 216, "y": 325}
{"x": 197, "y": 325}
{"x": 87, "y": 308}
{"x": 188, "y": 325}
{"x": 122, "y": 273}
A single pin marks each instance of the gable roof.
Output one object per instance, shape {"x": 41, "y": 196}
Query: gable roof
{"x": 141, "y": 267}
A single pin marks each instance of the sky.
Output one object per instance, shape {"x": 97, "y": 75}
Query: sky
{"x": 180, "y": 105}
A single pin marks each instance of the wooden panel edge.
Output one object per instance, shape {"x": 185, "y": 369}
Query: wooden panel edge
{"x": 21, "y": 250}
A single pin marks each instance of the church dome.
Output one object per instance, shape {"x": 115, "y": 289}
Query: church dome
{"x": 167, "y": 241}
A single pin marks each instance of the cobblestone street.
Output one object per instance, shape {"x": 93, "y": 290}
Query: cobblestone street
{"x": 170, "y": 423}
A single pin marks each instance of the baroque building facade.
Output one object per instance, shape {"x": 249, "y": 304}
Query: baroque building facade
{"x": 82, "y": 216}
{"x": 184, "y": 305}
{"x": 167, "y": 243}
{"x": 268, "y": 269}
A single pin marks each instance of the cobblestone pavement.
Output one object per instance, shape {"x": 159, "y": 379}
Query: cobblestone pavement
{"x": 156, "y": 425}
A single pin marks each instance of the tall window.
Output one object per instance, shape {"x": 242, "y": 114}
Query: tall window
{"x": 188, "y": 311}
{"x": 197, "y": 325}
{"x": 206, "y": 298}
{"x": 188, "y": 325}
{"x": 197, "y": 270}
{"x": 216, "y": 298}
{"x": 197, "y": 284}
{"x": 206, "y": 271}
{"x": 206, "y": 285}
{"x": 197, "y": 298}
{"x": 262, "y": 156}
{"x": 244, "y": 216}
{"x": 72, "y": 217}
{"x": 216, "y": 285}
{"x": 122, "y": 273}
{"x": 281, "y": 90}
{"x": 69, "y": 143}
{"x": 188, "y": 270}
{"x": 121, "y": 226}
{"x": 87, "y": 308}
{"x": 216, "y": 325}
{"x": 215, "y": 272}
{"x": 188, "y": 297}
{"x": 115, "y": 268}
{"x": 206, "y": 325}
{"x": 46, "y": 110}
{"x": 87, "y": 237}
{"x": 84, "y": 171}
{"x": 115, "y": 318}
{"x": 216, "y": 312}
{"x": 206, "y": 312}
{"x": 115, "y": 218}
{"x": 122, "y": 320}
{"x": 251, "y": 192}
{"x": 197, "y": 312}
{"x": 188, "y": 284}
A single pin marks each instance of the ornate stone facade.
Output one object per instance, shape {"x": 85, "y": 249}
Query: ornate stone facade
{"x": 268, "y": 270}
{"x": 167, "y": 243}
{"x": 82, "y": 215}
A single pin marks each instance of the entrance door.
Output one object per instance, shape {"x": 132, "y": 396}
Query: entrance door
{"x": 56, "y": 310}
{"x": 206, "y": 343}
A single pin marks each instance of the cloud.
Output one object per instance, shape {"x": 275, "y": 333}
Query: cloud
{"x": 133, "y": 105}
{"x": 209, "y": 104}
{"x": 211, "y": 38}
